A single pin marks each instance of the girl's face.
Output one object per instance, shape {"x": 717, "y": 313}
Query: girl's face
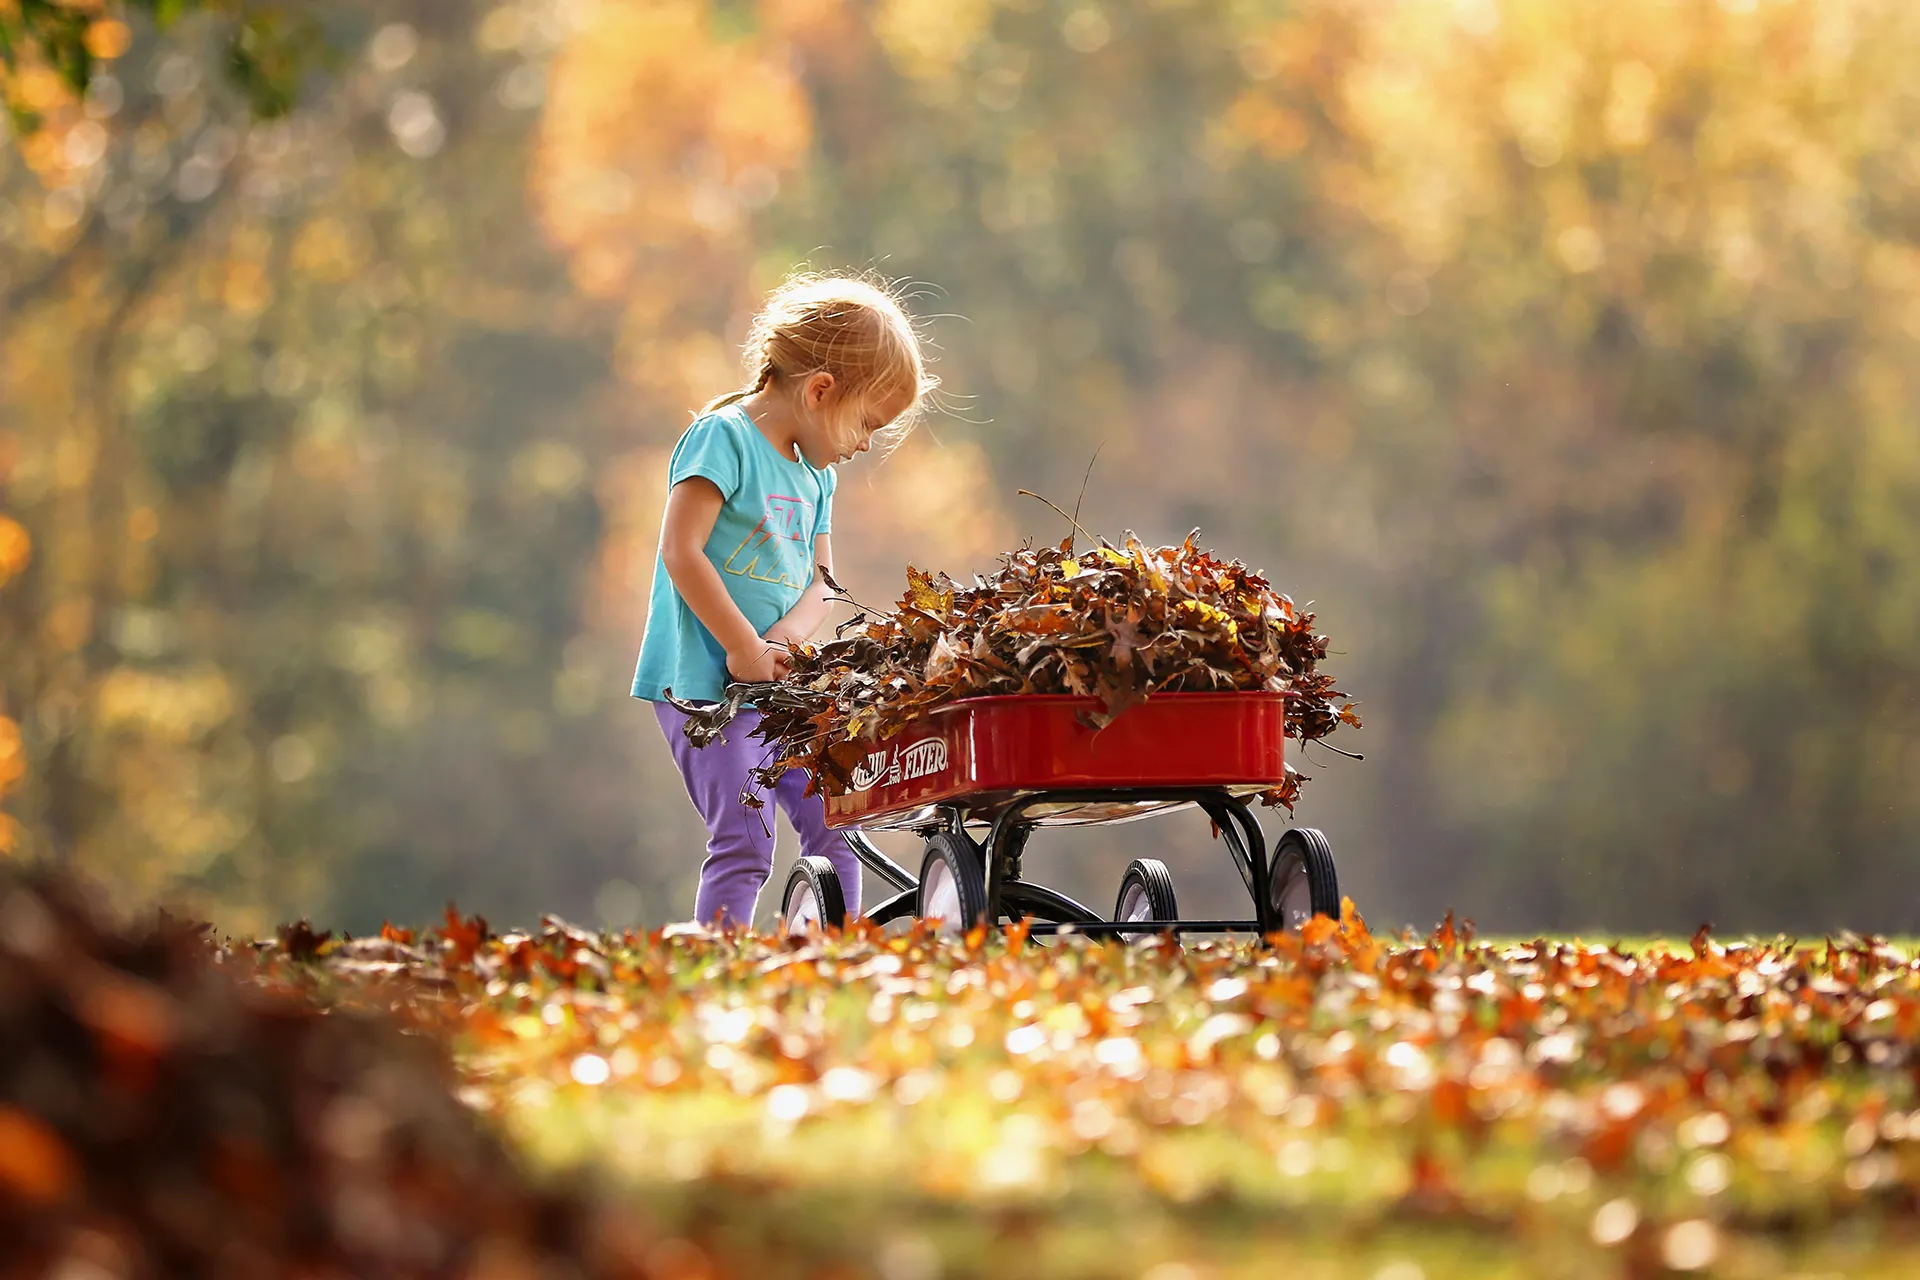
{"x": 833, "y": 430}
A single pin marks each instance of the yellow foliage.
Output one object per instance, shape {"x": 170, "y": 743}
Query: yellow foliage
{"x": 1265, "y": 125}
{"x": 660, "y": 141}
{"x": 929, "y": 501}
{"x": 247, "y": 290}
{"x": 171, "y": 707}
{"x": 13, "y": 767}
{"x": 41, "y": 151}
{"x": 13, "y": 755}
{"x": 658, "y": 134}
{"x": 1436, "y": 104}
{"x": 928, "y": 38}
{"x": 68, "y": 622}
{"x": 632, "y": 493}
{"x": 16, "y": 548}
{"x": 108, "y": 38}
{"x": 39, "y": 88}
{"x": 328, "y": 250}
{"x": 182, "y": 826}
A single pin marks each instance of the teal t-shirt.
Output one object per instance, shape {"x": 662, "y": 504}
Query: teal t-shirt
{"x": 762, "y": 544}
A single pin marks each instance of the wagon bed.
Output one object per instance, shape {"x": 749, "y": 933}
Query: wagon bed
{"x": 1002, "y": 766}
{"x": 985, "y": 753}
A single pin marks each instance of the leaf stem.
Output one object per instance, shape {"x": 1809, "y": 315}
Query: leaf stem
{"x": 1028, "y": 493}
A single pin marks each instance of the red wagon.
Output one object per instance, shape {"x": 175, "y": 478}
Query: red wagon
{"x": 977, "y": 776}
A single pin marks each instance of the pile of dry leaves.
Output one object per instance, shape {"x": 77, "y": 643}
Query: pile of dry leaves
{"x": 1113, "y": 624}
{"x": 160, "y": 1115}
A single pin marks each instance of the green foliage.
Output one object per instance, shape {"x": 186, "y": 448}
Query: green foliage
{"x": 268, "y": 56}
{"x": 53, "y": 32}
{"x": 268, "y": 48}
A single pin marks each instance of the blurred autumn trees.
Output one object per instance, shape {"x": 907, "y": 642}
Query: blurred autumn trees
{"x": 1563, "y": 352}
{"x": 51, "y": 49}
{"x": 305, "y": 423}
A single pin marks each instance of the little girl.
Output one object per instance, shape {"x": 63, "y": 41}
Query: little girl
{"x": 831, "y": 361}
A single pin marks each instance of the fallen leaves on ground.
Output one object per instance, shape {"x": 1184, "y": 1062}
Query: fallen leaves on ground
{"x": 1665, "y": 1106}
{"x": 168, "y": 1105}
{"x": 1116, "y": 624}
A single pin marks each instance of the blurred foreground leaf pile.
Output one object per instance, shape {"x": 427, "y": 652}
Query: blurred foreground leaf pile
{"x": 1544, "y": 1108}
{"x": 160, "y": 1118}
{"x": 1112, "y": 623}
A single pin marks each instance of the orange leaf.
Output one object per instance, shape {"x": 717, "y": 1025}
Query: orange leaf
{"x": 465, "y": 935}
{"x": 1450, "y": 1101}
{"x": 35, "y": 1164}
{"x": 1352, "y": 924}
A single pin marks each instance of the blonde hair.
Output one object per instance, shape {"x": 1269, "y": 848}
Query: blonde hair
{"x": 852, "y": 328}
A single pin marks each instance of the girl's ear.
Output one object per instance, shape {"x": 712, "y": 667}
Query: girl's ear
{"x": 817, "y": 389}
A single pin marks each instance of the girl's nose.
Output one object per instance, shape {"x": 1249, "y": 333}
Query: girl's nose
{"x": 865, "y": 445}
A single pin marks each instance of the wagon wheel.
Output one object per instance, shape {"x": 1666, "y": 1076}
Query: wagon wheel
{"x": 813, "y": 898}
{"x": 1302, "y": 883}
{"x": 953, "y": 886}
{"x": 1146, "y": 895}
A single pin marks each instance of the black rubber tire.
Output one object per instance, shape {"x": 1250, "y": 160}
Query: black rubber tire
{"x": 1153, "y": 879}
{"x": 815, "y": 875}
{"x": 958, "y": 859}
{"x": 1304, "y": 852}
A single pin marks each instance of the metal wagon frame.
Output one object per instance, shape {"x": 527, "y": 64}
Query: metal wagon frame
{"x": 1004, "y": 766}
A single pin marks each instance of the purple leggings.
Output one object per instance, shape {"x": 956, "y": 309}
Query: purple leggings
{"x": 739, "y": 839}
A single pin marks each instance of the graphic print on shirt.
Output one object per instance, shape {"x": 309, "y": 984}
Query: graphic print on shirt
{"x": 763, "y": 556}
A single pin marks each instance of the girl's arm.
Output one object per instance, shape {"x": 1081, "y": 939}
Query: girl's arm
{"x": 811, "y": 609}
{"x": 692, "y": 507}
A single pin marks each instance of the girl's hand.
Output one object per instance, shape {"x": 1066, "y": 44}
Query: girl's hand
{"x": 761, "y": 664}
{"x": 781, "y": 638}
